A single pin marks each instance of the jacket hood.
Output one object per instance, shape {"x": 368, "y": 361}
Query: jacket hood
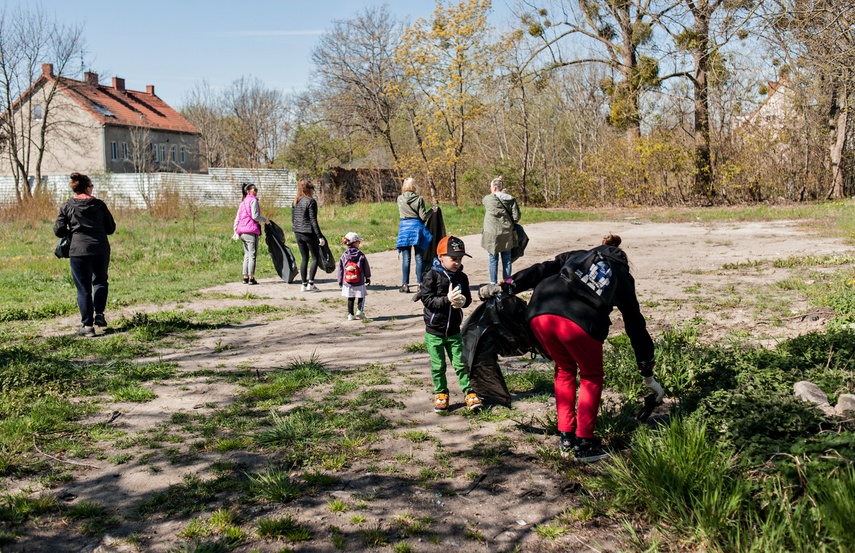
{"x": 410, "y": 197}
{"x": 504, "y": 196}
{"x": 83, "y": 205}
{"x": 352, "y": 253}
{"x": 437, "y": 266}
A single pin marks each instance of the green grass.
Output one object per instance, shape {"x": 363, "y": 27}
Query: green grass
{"x": 165, "y": 260}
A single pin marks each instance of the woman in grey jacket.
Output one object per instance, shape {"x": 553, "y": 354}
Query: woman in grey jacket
{"x": 88, "y": 221}
{"x": 498, "y": 237}
{"x": 304, "y": 224}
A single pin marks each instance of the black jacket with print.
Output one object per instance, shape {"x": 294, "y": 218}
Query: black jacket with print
{"x": 440, "y": 318}
{"x": 554, "y": 296}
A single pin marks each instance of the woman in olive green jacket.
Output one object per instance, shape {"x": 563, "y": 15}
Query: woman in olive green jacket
{"x": 498, "y": 236}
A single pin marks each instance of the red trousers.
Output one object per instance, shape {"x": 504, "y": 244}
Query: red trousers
{"x": 572, "y": 348}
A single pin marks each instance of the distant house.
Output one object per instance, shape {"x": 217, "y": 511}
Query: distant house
{"x": 96, "y": 128}
{"x": 778, "y": 111}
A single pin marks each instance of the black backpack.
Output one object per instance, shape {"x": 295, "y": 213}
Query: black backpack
{"x": 590, "y": 275}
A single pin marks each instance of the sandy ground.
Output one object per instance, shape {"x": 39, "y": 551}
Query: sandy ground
{"x": 710, "y": 274}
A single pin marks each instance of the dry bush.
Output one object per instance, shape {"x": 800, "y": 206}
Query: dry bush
{"x": 650, "y": 170}
{"x": 165, "y": 203}
{"x": 768, "y": 164}
{"x": 41, "y": 207}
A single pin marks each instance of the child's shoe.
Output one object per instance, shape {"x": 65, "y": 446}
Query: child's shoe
{"x": 351, "y": 317}
{"x": 440, "y": 403}
{"x": 566, "y": 443}
{"x": 589, "y": 450}
{"x": 360, "y": 314}
{"x": 303, "y": 287}
{"x": 473, "y": 402}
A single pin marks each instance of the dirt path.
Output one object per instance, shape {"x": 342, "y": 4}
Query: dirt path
{"x": 680, "y": 278}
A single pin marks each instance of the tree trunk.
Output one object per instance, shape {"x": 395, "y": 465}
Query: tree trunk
{"x": 703, "y": 162}
{"x": 838, "y": 140}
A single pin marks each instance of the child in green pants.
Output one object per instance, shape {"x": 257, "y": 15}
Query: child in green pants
{"x": 444, "y": 293}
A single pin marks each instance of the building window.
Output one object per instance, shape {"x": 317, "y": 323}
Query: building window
{"x": 37, "y": 112}
{"x": 114, "y": 151}
{"x": 163, "y": 152}
{"x": 183, "y": 156}
{"x": 156, "y": 157}
{"x": 173, "y": 153}
{"x": 125, "y": 155}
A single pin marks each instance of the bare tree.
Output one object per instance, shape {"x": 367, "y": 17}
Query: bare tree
{"x": 818, "y": 39}
{"x": 255, "y": 123}
{"x": 615, "y": 31}
{"x": 28, "y": 39}
{"x": 204, "y": 108}
{"x": 355, "y": 64}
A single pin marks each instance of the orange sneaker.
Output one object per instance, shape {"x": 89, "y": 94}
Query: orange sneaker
{"x": 473, "y": 402}
{"x": 440, "y": 403}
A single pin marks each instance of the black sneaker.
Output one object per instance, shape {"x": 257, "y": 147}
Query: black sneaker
{"x": 246, "y": 280}
{"x": 99, "y": 320}
{"x": 589, "y": 450}
{"x": 86, "y": 331}
{"x": 566, "y": 441}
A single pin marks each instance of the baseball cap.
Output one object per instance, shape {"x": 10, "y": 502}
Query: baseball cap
{"x": 453, "y": 246}
{"x": 352, "y": 237}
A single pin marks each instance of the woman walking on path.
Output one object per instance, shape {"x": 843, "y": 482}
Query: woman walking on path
{"x": 248, "y": 228}
{"x": 88, "y": 221}
{"x": 498, "y": 237}
{"x": 307, "y": 233}
{"x": 569, "y": 315}
{"x": 412, "y": 232}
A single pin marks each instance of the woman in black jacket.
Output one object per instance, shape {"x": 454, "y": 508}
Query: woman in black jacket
{"x": 88, "y": 221}
{"x": 569, "y": 315}
{"x": 304, "y": 224}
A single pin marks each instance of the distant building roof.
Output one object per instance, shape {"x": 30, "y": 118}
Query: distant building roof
{"x": 116, "y": 105}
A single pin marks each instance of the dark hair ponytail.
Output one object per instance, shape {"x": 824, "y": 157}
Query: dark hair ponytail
{"x": 80, "y": 183}
{"x": 245, "y": 186}
{"x": 612, "y": 240}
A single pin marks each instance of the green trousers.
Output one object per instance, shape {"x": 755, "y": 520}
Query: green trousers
{"x": 437, "y": 347}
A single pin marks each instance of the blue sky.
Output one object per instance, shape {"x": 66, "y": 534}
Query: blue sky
{"x": 176, "y": 44}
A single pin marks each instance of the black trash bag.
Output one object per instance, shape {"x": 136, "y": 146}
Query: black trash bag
{"x": 327, "y": 261}
{"x": 497, "y": 327}
{"x": 283, "y": 259}
{"x": 436, "y": 225}
{"x": 521, "y": 243}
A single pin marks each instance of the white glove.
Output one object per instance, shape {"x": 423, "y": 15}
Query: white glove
{"x": 322, "y": 241}
{"x": 235, "y": 237}
{"x": 456, "y": 297}
{"x": 654, "y": 387}
{"x": 488, "y": 291}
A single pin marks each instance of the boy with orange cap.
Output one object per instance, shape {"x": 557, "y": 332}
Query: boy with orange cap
{"x": 445, "y": 292}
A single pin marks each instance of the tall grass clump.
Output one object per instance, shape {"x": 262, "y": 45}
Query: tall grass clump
{"x": 677, "y": 478}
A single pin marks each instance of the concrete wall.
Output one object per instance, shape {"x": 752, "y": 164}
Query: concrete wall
{"x": 220, "y": 187}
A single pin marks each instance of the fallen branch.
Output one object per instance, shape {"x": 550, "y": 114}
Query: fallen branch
{"x": 58, "y": 459}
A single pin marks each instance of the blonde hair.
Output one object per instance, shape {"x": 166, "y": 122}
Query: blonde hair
{"x": 498, "y": 183}
{"x": 409, "y": 185}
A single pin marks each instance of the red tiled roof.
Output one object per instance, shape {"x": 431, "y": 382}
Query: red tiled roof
{"x": 130, "y": 108}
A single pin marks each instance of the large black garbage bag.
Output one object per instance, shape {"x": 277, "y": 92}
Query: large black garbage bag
{"x": 436, "y": 225}
{"x": 283, "y": 259}
{"x": 497, "y": 327}
{"x": 327, "y": 261}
